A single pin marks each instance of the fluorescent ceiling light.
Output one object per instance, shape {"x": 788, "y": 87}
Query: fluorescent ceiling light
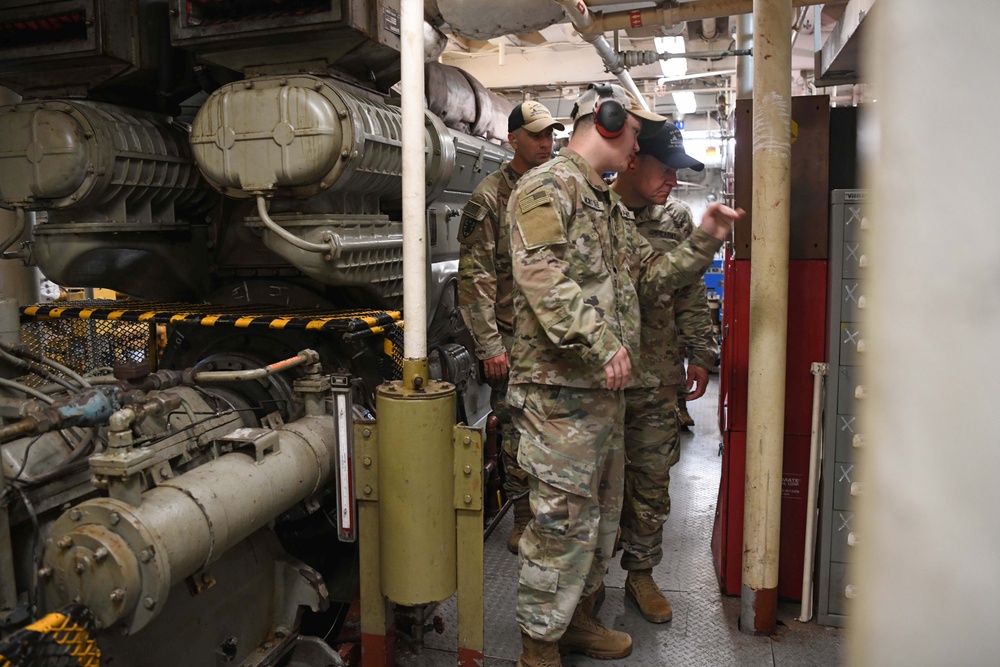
{"x": 685, "y": 102}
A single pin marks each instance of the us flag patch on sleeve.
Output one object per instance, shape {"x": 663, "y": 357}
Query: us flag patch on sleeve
{"x": 532, "y": 200}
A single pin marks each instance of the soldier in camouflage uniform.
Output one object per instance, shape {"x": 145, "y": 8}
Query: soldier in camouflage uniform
{"x": 485, "y": 282}
{"x": 579, "y": 267}
{"x": 671, "y": 322}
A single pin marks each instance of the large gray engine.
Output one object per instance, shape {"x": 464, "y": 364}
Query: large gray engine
{"x": 238, "y": 154}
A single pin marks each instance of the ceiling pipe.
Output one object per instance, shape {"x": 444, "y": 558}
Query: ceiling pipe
{"x": 583, "y": 20}
{"x": 672, "y": 15}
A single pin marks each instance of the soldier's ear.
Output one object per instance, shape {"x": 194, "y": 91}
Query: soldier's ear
{"x": 512, "y": 140}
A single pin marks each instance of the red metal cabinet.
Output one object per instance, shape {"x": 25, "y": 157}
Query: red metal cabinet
{"x": 807, "y": 331}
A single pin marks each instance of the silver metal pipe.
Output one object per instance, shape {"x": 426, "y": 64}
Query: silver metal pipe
{"x": 304, "y": 357}
{"x": 636, "y": 58}
{"x": 819, "y": 371}
{"x": 325, "y": 248}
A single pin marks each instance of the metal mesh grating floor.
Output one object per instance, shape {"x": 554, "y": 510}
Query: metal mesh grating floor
{"x": 704, "y": 628}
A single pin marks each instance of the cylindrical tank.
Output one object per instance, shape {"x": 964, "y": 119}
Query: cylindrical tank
{"x": 416, "y": 492}
{"x": 60, "y": 154}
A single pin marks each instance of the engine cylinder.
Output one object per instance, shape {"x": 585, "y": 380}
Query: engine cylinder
{"x": 297, "y": 136}
{"x": 64, "y": 154}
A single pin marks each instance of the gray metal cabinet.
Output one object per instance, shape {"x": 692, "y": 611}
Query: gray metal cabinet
{"x": 842, "y": 476}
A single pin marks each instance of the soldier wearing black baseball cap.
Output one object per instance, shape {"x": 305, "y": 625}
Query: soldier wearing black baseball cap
{"x": 678, "y": 323}
{"x": 667, "y": 146}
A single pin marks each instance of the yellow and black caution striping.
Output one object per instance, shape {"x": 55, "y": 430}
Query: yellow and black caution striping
{"x": 61, "y": 639}
{"x": 353, "y": 324}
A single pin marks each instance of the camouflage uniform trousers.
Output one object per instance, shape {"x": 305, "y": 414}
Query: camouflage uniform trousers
{"x": 515, "y": 483}
{"x": 572, "y": 449}
{"x": 652, "y": 447}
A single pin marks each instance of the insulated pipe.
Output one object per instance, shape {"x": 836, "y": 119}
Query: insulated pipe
{"x": 819, "y": 371}
{"x": 411, "y": 37}
{"x": 583, "y": 20}
{"x": 768, "y": 314}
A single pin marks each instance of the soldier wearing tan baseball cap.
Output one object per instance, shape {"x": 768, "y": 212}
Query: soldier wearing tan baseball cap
{"x": 532, "y": 116}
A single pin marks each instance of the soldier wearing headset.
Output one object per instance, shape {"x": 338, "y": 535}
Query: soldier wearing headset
{"x": 579, "y": 266}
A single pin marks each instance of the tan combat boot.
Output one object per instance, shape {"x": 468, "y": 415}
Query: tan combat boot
{"x": 522, "y": 515}
{"x": 536, "y": 653}
{"x": 653, "y": 605}
{"x": 585, "y": 635}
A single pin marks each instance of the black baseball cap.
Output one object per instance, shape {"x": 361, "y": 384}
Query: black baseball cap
{"x": 667, "y": 146}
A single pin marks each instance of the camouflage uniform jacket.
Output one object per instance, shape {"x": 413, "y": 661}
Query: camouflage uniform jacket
{"x": 674, "y": 321}
{"x": 484, "y": 278}
{"x": 577, "y": 259}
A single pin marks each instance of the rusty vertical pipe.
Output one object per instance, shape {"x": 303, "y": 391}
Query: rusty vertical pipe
{"x": 772, "y": 20}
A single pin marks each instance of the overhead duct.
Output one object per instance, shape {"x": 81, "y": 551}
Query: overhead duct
{"x": 482, "y": 20}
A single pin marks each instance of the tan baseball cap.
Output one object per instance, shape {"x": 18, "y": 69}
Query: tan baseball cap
{"x": 532, "y": 116}
{"x": 587, "y": 104}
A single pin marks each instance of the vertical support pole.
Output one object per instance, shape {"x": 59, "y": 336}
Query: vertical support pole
{"x": 415, "y": 371}
{"x": 377, "y": 632}
{"x": 772, "y": 21}
{"x": 469, "y": 524}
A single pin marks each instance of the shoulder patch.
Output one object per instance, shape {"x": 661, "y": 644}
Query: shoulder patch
{"x": 540, "y": 225}
{"x": 474, "y": 209}
{"x": 472, "y": 215}
{"x": 592, "y": 203}
{"x": 467, "y": 230}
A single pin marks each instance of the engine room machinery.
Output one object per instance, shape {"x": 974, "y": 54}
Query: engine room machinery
{"x": 234, "y": 167}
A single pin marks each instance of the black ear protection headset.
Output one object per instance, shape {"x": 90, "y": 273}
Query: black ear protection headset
{"x": 609, "y": 114}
